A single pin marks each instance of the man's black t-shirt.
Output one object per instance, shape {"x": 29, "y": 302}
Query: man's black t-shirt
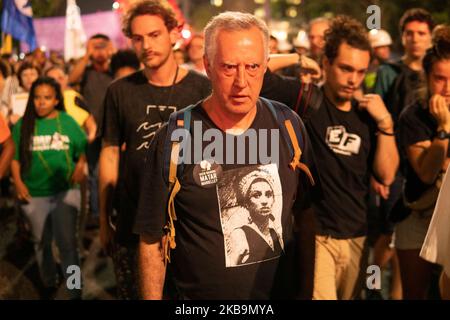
{"x": 213, "y": 258}
{"x": 344, "y": 145}
{"x": 134, "y": 111}
{"x": 416, "y": 125}
{"x": 93, "y": 88}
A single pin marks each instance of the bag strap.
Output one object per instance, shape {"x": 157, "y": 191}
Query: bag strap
{"x": 291, "y": 135}
{"x": 172, "y": 169}
{"x": 296, "y": 163}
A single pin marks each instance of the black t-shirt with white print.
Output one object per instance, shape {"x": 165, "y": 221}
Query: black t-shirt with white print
{"x": 224, "y": 249}
{"x": 344, "y": 145}
{"x": 134, "y": 111}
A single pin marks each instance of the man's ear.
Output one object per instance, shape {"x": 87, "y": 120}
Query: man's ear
{"x": 403, "y": 39}
{"x": 325, "y": 63}
{"x": 267, "y": 64}
{"x": 174, "y": 35}
{"x": 207, "y": 65}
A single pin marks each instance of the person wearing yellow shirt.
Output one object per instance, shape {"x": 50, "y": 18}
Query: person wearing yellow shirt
{"x": 75, "y": 105}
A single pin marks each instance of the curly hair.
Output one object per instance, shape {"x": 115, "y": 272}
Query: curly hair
{"x": 344, "y": 29}
{"x": 440, "y": 49}
{"x": 416, "y": 14}
{"x": 149, "y": 7}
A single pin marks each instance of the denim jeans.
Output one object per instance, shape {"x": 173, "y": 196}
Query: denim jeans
{"x": 55, "y": 218}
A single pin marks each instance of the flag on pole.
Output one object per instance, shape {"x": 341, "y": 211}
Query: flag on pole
{"x": 75, "y": 37}
{"x": 17, "y": 20}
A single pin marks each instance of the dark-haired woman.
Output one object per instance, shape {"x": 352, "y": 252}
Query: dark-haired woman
{"x": 424, "y": 136}
{"x": 28, "y": 72}
{"x": 47, "y": 167}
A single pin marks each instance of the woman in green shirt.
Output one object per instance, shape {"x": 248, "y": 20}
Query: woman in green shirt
{"x": 48, "y": 165}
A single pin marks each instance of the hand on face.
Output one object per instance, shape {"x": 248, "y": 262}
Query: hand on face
{"x": 439, "y": 109}
{"x": 90, "y": 48}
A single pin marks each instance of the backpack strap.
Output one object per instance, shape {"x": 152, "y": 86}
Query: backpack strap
{"x": 292, "y": 135}
{"x": 172, "y": 169}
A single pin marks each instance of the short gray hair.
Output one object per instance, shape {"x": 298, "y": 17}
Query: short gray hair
{"x": 233, "y": 21}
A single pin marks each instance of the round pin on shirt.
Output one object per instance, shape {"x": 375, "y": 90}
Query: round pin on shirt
{"x": 207, "y": 173}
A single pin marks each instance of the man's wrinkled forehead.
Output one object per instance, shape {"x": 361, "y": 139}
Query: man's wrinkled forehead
{"x": 242, "y": 38}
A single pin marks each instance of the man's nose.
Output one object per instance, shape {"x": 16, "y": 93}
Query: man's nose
{"x": 146, "y": 42}
{"x": 353, "y": 78}
{"x": 447, "y": 87}
{"x": 241, "y": 79}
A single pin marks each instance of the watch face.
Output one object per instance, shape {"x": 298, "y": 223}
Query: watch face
{"x": 442, "y": 135}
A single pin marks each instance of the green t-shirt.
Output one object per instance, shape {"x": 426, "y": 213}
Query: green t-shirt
{"x": 57, "y": 145}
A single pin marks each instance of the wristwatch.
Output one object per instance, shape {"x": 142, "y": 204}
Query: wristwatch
{"x": 442, "y": 135}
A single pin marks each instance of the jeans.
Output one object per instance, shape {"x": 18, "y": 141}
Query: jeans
{"x": 55, "y": 218}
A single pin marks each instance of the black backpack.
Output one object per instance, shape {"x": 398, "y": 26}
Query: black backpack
{"x": 402, "y": 92}
{"x": 291, "y": 131}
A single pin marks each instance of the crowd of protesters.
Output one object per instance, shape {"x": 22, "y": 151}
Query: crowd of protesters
{"x": 76, "y": 142}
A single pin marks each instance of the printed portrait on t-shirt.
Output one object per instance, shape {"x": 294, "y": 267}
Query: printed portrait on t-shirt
{"x": 250, "y": 203}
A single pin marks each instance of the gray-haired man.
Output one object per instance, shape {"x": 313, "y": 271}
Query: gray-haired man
{"x": 208, "y": 262}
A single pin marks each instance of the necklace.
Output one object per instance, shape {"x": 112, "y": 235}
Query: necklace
{"x": 169, "y": 97}
{"x": 173, "y": 85}
{"x": 66, "y": 152}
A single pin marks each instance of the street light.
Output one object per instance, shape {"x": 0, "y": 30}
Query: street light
{"x": 217, "y": 3}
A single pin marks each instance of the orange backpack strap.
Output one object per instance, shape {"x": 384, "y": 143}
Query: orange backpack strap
{"x": 295, "y": 163}
{"x": 286, "y": 119}
{"x": 172, "y": 170}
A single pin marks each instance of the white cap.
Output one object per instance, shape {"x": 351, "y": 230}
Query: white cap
{"x": 284, "y": 45}
{"x": 379, "y": 38}
{"x": 301, "y": 41}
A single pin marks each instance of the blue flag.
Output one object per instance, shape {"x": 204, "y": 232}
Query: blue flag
{"x": 18, "y": 22}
